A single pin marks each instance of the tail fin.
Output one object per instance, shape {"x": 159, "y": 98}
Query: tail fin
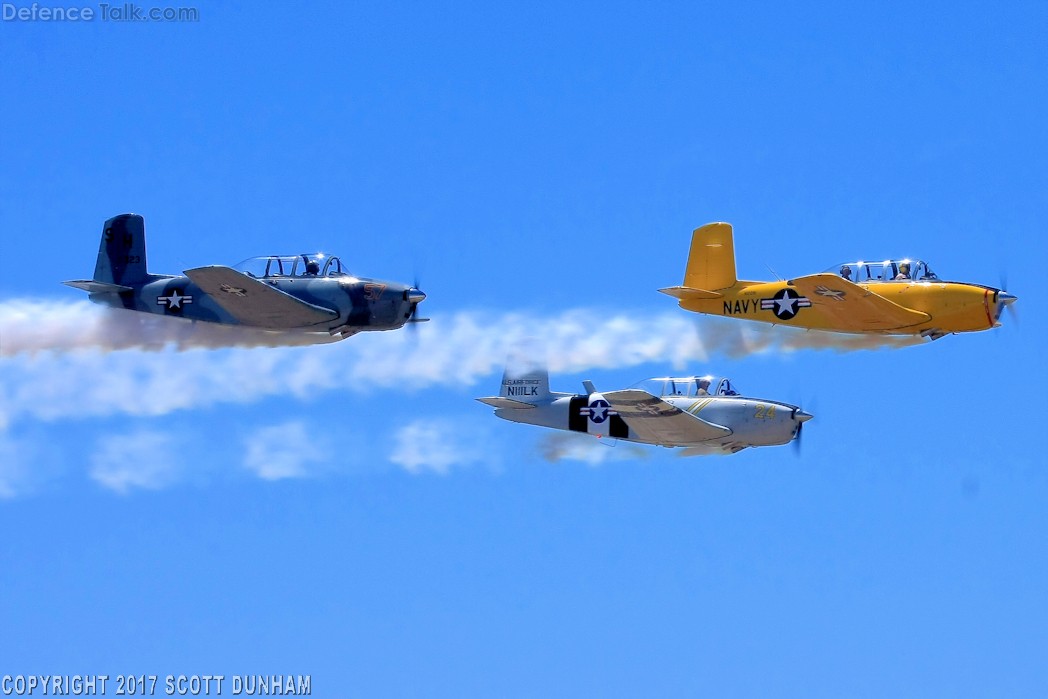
{"x": 527, "y": 383}
{"x": 523, "y": 386}
{"x": 711, "y": 264}
{"x": 122, "y": 251}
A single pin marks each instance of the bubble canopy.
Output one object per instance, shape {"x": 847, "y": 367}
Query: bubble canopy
{"x": 900, "y": 270}
{"x": 317, "y": 264}
{"x": 687, "y": 386}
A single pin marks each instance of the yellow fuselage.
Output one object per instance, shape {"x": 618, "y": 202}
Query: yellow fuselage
{"x": 952, "y": 306}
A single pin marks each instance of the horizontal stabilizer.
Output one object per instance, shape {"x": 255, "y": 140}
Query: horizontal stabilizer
{"x": 686, "y": 293}
{"x": 93, "y": 287}
{"x": 509, "y": 403}
{"x": 256, "y": 303}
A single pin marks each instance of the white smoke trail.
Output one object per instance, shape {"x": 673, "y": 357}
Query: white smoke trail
{"x": 28, "y": 326}
{"x": 68, "y": 361}
{"x": 557, "y": 446}
{"x": 739, "y": 339}
{"x": 78, "y": 360}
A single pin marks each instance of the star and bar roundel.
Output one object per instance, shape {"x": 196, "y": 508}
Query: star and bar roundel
{"x": 175, "y": 301}
{"x": 785, "y": 303}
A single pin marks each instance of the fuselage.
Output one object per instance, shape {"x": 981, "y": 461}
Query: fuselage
{"x": 753, "y": 422}
{"x": 953, "y": 307}
{"x": 360, "y": 303}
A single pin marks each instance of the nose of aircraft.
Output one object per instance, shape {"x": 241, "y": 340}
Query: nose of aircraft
{"x": 801, "y": 416}
{"x": 1005, "y": 300}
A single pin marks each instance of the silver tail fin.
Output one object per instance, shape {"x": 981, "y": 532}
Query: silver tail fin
{"x": 525, "y": 382}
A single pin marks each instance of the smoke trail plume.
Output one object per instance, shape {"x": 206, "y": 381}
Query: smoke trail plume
{"x": 75, "y": 359}
{"x": 28, "y": 326}
{"x": 557, "y": 446}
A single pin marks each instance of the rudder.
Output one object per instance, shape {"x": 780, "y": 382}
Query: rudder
{"x": 122, "y": 251}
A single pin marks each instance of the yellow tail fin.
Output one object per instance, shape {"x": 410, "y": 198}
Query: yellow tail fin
{"x": 711, "y": 262}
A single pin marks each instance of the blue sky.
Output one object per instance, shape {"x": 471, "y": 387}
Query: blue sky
{"x": 348, "y": 511}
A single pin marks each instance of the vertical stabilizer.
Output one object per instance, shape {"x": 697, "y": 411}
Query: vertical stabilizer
{"x": 122, "y": 251}
{"x": 525, "y": 381}
{"x": 711, "y": 262}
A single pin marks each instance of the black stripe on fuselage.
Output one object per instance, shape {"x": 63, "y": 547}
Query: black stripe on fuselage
{"x": 576, "y": 419}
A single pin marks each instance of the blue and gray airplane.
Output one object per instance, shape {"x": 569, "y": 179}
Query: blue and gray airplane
{"x": 310, "y": 293}
{"x": 702, "y": 414}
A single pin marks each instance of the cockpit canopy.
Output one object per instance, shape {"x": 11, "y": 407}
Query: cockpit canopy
{"x": 305, "y": 265}
{"x": 688, "y": 386}
{"x": 885, "y": 271}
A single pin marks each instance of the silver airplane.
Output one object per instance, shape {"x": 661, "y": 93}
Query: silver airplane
{"x": 702, "y": 414}
{"x": 311, "y": 293}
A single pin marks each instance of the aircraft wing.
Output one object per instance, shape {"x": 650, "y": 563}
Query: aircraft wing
{"x": 656, "y": 421}
{"x": 256, "y": 303}
{"x": 852, "y": 307}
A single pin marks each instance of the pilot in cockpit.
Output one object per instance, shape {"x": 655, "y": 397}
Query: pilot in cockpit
{"x": 312, "y": 268}
{"x": 904, "y": 271}
{"x": 846, "y": 272}
{"x": 704, "y": 387}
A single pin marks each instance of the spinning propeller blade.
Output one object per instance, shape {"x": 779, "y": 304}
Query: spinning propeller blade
{"x": 800, "y": 417}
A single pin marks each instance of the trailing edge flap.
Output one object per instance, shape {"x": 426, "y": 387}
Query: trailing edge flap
{"x": 93, "y": 287}
{"x": 654, "y": 420}
{"x": 256, "y": 303}
{"x": 853, "y": 307}
{"x": 509, "y": 403}
{"x": 684, "y": 293}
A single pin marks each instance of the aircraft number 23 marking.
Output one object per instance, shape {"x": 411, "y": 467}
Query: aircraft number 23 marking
{"x": 765, "y": 412}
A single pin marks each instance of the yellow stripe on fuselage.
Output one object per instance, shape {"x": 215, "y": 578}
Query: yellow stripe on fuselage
{"x": 695, "y": 407}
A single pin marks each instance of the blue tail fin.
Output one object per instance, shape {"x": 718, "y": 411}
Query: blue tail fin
{"x": 122, "y": 252}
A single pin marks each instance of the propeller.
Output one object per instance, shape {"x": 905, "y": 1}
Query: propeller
{"x": 1006, "y": 301}
{"x": 800, "y": 417}
{"x": 414, "y": 296}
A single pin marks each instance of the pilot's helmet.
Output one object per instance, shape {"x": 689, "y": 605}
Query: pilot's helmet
{"x": 312, "y": 267}
{"x": 704, "y": 383}
{"x": 845, "y": 271}
{"x": 904, "y": 268}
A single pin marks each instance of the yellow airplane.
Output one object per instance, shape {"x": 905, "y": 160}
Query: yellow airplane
{"x": 893, "y": 297}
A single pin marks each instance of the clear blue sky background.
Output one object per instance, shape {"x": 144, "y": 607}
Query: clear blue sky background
{"x": 532, "y": 159}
